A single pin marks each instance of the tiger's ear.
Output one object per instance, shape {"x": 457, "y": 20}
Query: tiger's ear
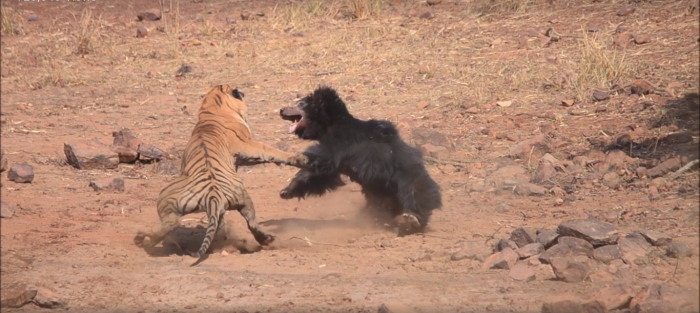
{"x": 237, "y": 94}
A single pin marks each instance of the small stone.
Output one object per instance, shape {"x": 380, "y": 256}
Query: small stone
{"x": 501, "y": 208}
{"x": 522, "y": 272}
{"x": 422, "y": 105}
{"x": 529, "y": 189}
{"x": 655, "y": 238}
{"x": 32, "y": 17}
{"x": 567, "y": 102}
{"x": 523, "y": 237}
{"x": 592, "y": 27}
{"x": 655, "y": 298}
{"x": 151, "y": 74}
{"x": 6, "y": 210}
{"x": 506, "y": 243}
{"x": 641, "y": 87}
{"x": 427, "y": 15}
{"x": 245, "y": 15}
{"x": 90, "y": 156}
{"x": 49, "y": 299}
{"x": 678, "y": 250}
{"x": 547, "y": 238}
{"x": 625, "y": 10}
{"x": 181, "y": 99}
{"x": 620, "y": 40}
{"x": 621, "y": 28}
{"x": 126, "y": 155}
{"x": 168, "y": 167}
{"x": 530, "y": 250}
{"x": 501, "y": 260}
{"x": 229, "y": 54}
{"x": 433, "y": 150}
{"x": 597, "y": 232}
{"x": 562, "y": 306}
{"x": 21, "y": 173}
{"x": 141, "y": 31}
{"x": 552, "y": 59}
{"x": 433, "y": 2}
{"x": 569, "y": 270}
{"x": 16, "y": 294}
{"x": 606, "y": 254}
{"x": 641, "y": 39}
{"x": 577, "y": 246}
{"x": 556, "y": 251}
{"x": 599, "y": 95}
{"x": 108, "y": 184}
{"x": 150, "y": 15}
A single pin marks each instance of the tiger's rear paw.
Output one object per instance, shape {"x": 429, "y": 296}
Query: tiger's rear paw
{"x": 143, "y": 240}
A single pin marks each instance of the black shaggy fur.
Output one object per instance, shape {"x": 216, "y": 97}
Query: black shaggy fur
{"x": 371, "y": 153}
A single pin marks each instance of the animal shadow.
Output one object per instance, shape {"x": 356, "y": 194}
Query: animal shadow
{"x": 186, "y": 240}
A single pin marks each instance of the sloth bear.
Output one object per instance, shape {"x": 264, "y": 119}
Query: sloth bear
{"x": 371, "y": 153}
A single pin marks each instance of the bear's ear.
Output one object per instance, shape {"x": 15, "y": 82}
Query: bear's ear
{"x": 237, "y": 94}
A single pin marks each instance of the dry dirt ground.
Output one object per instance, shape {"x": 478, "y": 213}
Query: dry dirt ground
{"x": 467, "y": 81}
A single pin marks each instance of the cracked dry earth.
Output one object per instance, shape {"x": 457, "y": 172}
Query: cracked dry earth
{"x": 507, "y": 152}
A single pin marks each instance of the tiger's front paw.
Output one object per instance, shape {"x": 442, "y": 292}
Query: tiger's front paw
{"x": 299, "y": 160}
{"x": 143, "y": 240}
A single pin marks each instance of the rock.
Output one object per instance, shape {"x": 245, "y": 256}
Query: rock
{"x": 530, "y": 250}
{"x": 6, "y": 210}
{"x": 632, "y": 247}
{"x": 615, "y": 297}
{"x": 611, "y": 180}
{"x": 655, "y": 298}
{"x": 625, "y": 10}
{"x": 592, "y": 27}
{"x": 168, "y": 167}
{"x": 150, "y": 152}
{"x": 641, "y": 39}
{"x": 90, "y": 156}
{"x": 21, "y": 173}
{"x": 506, "y": 243}
{"x": 245, "y": 15}
{"x": 3, "y": 161}
{"x": 32, "y": 17}
{"x": 522, "y": 236}
{"x": 547, "y": 238}
{"x": 523, "y": 149}
{"x": 529, "y": 189}
{"x": 620, "y": 40}
{"x": 556, "y": 251}
{"x": 567, "y": 102}
{"x": 597, "y": 232}
{"x": 470, "y": 250}
{"x": 141, "y": 31}
{"x": 433, "y": 150}
{"x": 593, "y": 306}
{"x": 641, "y": 87}
{"x": 49, "y": 299}
{"x": 501, "y": 208}
{"x": 433, "y": 2}
{"x": 606, "y": 254}
{"x": 427, "y": 15}
{"x": 655, "y": 238}
{"x": 108, "y": 184}
{"x": 422, "y": 136}
{"x": 577, "y": 246}
{"x": 501, "y": 260}
{"x": 522, "y": 272}
{"x": 569, "y": 270}
{"x": 510, "y": 176}
{"x": 567, "y": 305}
{"x": 664, "y": 167}
{"x": 150, "y": 15}
{"x": 600, "y": 95}
{"x": 383, "y": 309}
{"x": 548, "y": 166}
{"x": 678, "y": 250}
{"x": 16, "y": 294}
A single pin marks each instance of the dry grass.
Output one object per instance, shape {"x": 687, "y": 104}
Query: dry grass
{"x": 87, "y": 35}
{"x": 11, "y": 24}
{"x": 503, "y": 6}
{"x": 171, "y": 26}
{"x": 599, "y": 67}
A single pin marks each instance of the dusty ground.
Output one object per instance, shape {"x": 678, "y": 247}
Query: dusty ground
{"x": 68, "y": 76}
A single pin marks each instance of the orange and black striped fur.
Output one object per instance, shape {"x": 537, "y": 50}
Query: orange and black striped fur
{"x": 220, "y": 141}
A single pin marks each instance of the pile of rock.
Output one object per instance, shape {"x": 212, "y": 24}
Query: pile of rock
{"x": 573, "y": 248}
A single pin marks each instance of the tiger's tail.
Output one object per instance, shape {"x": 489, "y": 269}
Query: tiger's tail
{"x": 215, "y": 209}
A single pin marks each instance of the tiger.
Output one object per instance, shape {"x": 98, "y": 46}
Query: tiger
{"x": 220, "y": 141}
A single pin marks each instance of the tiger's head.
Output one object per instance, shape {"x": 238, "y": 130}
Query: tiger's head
{"x": 223, "y": 100}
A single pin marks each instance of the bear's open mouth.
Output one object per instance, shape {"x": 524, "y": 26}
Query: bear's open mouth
{"x": 294, "y": 115}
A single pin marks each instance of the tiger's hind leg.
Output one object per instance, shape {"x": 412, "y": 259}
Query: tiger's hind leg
{"x": 169, "y": 220}
{"x": 247, "y": 210}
